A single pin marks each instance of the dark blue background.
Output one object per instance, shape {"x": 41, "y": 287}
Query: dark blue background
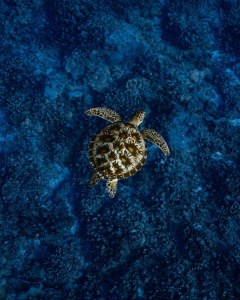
{"x": 172, "y": 231}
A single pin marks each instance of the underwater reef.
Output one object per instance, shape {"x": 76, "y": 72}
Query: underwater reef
{"x": 173, "y": 229}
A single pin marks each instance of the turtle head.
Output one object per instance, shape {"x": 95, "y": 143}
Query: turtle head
{"x": 137, "y": 118}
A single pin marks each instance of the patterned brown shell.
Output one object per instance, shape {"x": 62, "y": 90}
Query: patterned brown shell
{"x": 118, "y": 151}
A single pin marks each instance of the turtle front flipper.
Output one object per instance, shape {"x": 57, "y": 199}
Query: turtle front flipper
{"x": 94, "y": 179}
{"x": 104, "y": 113}
{"x": 112, "y": 187}
{"x": 157, "y": 139}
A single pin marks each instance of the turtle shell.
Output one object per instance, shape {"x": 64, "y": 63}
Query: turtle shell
{"x": 118, "y": 151}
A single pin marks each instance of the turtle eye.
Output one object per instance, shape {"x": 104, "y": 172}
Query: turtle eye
{"x": 140, "y": 114}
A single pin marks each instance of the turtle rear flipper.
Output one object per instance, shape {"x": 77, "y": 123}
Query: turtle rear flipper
{"x": 104, "y": 113}
{"x": 157, "y": 139}
{"x": 94, "y": 179}
{"x": 112, "y": 187}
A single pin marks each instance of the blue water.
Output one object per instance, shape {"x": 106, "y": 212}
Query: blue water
{"x": 172, "y": 230}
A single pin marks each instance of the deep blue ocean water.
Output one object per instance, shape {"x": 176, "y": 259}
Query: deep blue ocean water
{"x": 172, "y": 230}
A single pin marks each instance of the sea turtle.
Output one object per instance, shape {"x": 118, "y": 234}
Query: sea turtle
{"x": 118, "y": 151}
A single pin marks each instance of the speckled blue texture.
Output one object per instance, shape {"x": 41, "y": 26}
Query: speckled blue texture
{"x": 172, "y": 231}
